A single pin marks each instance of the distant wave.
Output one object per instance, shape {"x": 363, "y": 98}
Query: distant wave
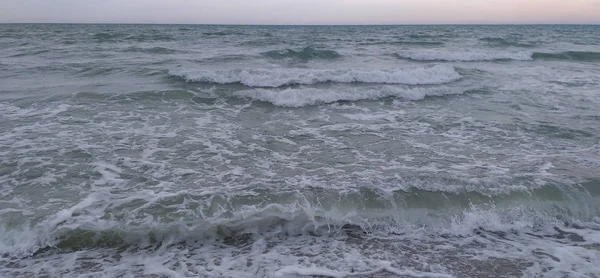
{"x": 153, "y": 50}
{"x": 31, "y": 53}
{"x": 421, "y": 36}
{"x": 150, "y": 37}
{"x": 224, "y": 58}
{"x": 504, "y": 42}
{"x": 568, "y": 55}
{"x": 474, "y": 56}
{"x": 102, "y": 37}
{"x": 300, "y": 97}
{"x": 304, "y": 54}
{"x": 106, "y": 36}
{"x": 464, "y": 56}
{"x": 438, "y": 74}
{"x": 259, "y": 42}
{"x": 416, "y": 43}
{"x": 222, "y": 33}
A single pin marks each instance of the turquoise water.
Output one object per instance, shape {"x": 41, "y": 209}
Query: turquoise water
{"x": 274, "y": 151}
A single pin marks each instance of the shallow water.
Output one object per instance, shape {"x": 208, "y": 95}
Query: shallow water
{"x": 257, "y": 151}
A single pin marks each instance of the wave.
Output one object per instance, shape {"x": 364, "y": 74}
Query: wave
{"x": 504, "y": 42}
{"x": 106, "y": 36}
{"x": 438, "y": 74}
{"x": 102, "y": 37}
{"x": 150, "y": 38}
{"x": 474, "y": 56}
{"x": 300, "y": 97}
{"x": 261, "y": 42}
{"x": 153, "y": 50}
{"x": 417, "y": 43}
{"x": 92, "y": 71}
{"x": 568, "y": 55}
{"x": 107, "y": 220}
{"x": 304, "y": 54}
{"x": 421, "y": 36}
{"x": 222, "y": 33}
{"x": 224, "y": 58}
{"x": 31, "y": 53}
{"x": 464, "y": 56}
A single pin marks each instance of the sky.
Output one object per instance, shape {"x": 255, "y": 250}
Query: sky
{"x": 302, "y": 11}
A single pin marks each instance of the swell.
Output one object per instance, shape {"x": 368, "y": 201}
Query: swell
{"x": 224, "y": 58}
{"x": 152, "y": 50}
{"x": 31, "y": 53}
{"x": 582, "y": 56}
{"x": 105, "y": 220}
{"x": 290, "y": 97}
{"x": 504, "y": 42}
{"x": 414, "y": 43}
{"x": 475, "y": 56}
{"x": 429, "y": 75}
{"x": 109, "y": 36}
{"x": 463, "y": 56}
{"x": 222, "y": 33}
{"x": 304, "y": 54}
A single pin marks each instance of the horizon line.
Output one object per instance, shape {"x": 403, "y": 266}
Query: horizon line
{"x": 304, "y": 24}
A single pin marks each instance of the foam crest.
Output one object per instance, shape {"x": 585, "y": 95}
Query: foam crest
{"x": 438, "y": 74}
{"x": 109, "y": 220}
{"x": 299, "y": 97}
{"x": 464, "y": 56}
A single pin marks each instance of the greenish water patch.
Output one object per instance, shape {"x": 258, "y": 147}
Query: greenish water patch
{"x": 304, "y": 54}
{"x": 569, "y": 55}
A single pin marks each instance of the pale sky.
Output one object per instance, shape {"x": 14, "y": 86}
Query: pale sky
{"x": 301, "y": 11}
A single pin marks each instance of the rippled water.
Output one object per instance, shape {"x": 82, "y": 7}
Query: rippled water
{"x": 258, "y": 151}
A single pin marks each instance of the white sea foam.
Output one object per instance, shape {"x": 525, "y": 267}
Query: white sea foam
{"x": 438, "y": 74}
{"x": 294, "y": 253}
{"x": 385, "y": 267}
{"x": 298, "y": 97}
{"x": 464, "y": 56}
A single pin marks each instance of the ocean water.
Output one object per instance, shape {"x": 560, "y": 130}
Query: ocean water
{"x": 332, "y": 151}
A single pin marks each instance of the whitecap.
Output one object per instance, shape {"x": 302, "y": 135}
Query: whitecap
{"x": 430, "y": 75}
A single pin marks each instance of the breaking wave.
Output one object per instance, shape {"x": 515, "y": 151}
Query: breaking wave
{"x": 300, "y": 97}
{"x": 438, "y": 74}
{"x": 151, "y": 219}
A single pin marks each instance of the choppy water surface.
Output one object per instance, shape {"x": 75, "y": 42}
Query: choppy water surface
{"x": 232, "y": 151}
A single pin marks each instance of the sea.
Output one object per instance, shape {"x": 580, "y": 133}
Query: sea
{"x": 299, "y": 151}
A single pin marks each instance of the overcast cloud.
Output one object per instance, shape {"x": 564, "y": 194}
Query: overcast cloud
{"x": 301, "y": 11}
